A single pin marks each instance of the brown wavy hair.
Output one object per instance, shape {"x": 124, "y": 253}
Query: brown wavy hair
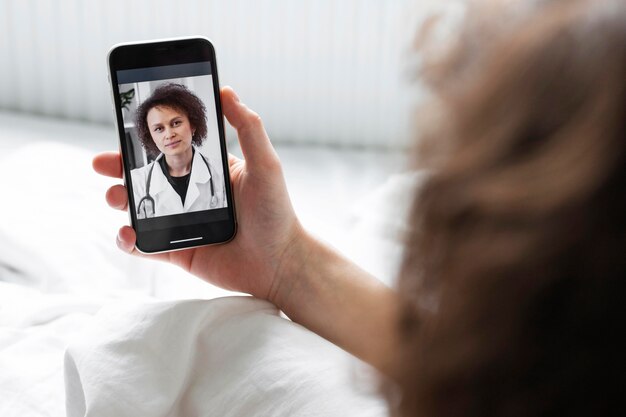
{"x": 516, "y": 266}
{"x": 178, "y": 97}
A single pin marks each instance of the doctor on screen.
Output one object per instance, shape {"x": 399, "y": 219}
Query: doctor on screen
{"x": 171, "y": 123}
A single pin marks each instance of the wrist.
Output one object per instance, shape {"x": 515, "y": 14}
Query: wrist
{"x": 292, "y": 264}
{"x": 328, "y": 294}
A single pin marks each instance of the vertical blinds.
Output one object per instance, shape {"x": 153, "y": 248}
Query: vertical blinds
{"x": 318, "y": 71}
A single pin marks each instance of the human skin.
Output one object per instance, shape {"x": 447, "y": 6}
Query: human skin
{"x": 273, "y": 257}
{"x": 172, "y": 133}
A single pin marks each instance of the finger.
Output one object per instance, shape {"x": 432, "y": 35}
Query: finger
{"x": 254, "y": 142}
{"x": 126, "y": 239}
{"x": 117, "y": 197}
{"x": 108, "y": 163}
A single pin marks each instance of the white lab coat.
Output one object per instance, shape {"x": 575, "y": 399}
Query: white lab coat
{"x": 167, "y": 201}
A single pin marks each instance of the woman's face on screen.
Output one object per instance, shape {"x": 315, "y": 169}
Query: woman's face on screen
{"x": 170, "y": 130}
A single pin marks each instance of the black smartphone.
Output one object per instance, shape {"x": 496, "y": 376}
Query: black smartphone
{"x": 166, "y": 98}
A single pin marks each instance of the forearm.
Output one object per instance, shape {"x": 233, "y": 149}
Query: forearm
{"x": 333, "y": 297}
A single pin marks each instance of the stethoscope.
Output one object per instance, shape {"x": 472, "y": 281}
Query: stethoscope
{"x": 148, "y": 202}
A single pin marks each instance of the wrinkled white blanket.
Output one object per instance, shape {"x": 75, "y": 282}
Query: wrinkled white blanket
{"x": 231, "y": 356}
{"x": 63, "y": 283}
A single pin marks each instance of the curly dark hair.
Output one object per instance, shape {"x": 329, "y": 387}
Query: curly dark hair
{"x": 515, "y": 272}
{"x": 178, "y": 97}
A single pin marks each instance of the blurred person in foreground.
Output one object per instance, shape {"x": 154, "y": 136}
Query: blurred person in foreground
{"x": 509, "y": 301}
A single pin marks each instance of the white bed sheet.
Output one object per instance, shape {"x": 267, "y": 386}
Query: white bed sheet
{"x": 61, "y": 276}
{"x": 231, "y": 356}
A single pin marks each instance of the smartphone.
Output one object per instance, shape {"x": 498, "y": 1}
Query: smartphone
{"x": 166, "y": 98}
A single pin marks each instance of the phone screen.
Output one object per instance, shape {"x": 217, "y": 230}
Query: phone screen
{"x": 170, "y": 123}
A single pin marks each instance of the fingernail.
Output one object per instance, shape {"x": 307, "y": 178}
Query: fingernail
{"x": 236, "y": 97}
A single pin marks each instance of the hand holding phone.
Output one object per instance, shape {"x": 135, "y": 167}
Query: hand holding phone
{"x": 268, "y": 228}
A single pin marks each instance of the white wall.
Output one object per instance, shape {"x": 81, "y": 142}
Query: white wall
{"x": 318, "y": 71}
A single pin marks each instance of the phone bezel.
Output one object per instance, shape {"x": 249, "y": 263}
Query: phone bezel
{"x": 159, "y": 53}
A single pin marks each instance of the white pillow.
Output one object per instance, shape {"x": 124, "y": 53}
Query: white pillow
{"x": 379, "y": 224}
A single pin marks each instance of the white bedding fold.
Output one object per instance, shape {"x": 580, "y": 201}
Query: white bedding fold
{"x": 224, "y": 357}
{"x": 231, "y": 356}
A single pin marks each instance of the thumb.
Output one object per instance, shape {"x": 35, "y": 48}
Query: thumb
{"x": 254, "y": 142}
